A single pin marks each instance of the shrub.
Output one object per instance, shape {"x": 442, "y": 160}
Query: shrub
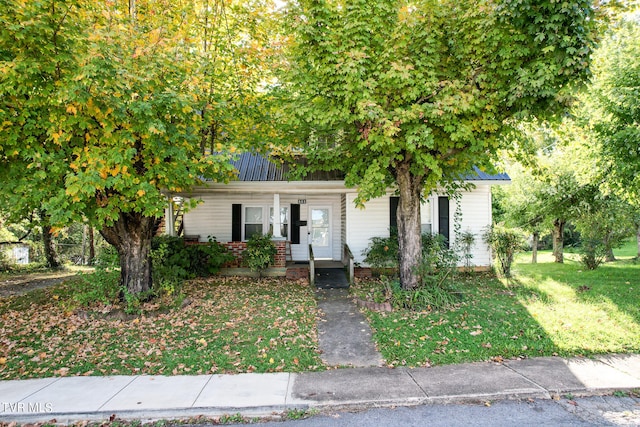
{"x": 5, "y": 262}
{"x": 436, "y": 296}
{"x": 466, "y": 240}
{"x": 103, "y": 285}
{"x": 505, "y": 243}
{"x": 382, "y": 252}
{"x": 260, "y": 252}
{"x": 592, "y": 252}
{"x": 175, "y": 262}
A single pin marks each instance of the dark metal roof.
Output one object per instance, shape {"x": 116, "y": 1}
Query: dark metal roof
{"x": 256, "y": 167}
{"x": 478, "y": 175}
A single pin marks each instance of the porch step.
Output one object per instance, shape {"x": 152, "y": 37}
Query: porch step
{"x": 331, "y": 278}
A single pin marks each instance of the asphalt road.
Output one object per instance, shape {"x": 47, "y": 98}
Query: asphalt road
{"x": 588, "y": 411}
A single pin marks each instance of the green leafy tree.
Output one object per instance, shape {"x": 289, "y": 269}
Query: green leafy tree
{"x": 101, "y": 116}
{"x": 413, "y": 94}
{"x": 612, "y": 108}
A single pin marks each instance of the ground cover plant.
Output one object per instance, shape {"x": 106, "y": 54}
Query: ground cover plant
{"x": 544, "y": 309}
{"x": 218, "y": 325}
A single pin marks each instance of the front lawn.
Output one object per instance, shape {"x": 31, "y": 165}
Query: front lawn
{"x": 546, "y": 309}
{"x": 226, "y": 325}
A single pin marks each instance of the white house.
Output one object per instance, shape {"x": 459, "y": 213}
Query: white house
{"x": 319, "y": 212}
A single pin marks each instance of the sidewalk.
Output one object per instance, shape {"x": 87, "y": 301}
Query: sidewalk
{"x": 70, "y": 399}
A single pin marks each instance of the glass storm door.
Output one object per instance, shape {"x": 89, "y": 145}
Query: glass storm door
{"x": 320, "y": 232}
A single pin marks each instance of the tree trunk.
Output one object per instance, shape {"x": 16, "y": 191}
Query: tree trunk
{"x": 609, "y": 257}
{"x": 92, "y": 247}
{"x": 131, "y": 235}
{"x": 87, "y": 240}
{"x": 408, "y": 218}
{"x": 49, "y": 250}
{"x": 558, "y": 239}
{"x": 534, "y": 247}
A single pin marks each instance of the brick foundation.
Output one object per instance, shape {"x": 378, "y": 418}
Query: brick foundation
{"x": 363, "y": 272}
{"x": 298, "y": 273}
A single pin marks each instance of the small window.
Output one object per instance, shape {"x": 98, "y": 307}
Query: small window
{"x": 253, "y": 222}
{"x": 284, "y": 221}
{"x": 425, "y": 218}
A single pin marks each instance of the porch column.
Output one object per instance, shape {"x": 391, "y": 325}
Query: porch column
{"x": 277, "y": 222}
{"x": 170, "y": 219}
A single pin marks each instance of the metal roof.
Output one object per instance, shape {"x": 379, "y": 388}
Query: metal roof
{"x": 254, "y": 167}
{"x": 478, "y": 175}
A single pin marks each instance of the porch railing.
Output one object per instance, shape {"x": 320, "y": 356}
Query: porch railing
{"x": 348, "y": 259}
{"x": 312, "y": 267}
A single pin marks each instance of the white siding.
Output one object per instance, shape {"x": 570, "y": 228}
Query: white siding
{"x": 373, "y": 221}
{"x": 476, "y": 216}
{"x": 212, "y": 217}
{"x": 356, "y": 226}
{"x": 363, "y": 224}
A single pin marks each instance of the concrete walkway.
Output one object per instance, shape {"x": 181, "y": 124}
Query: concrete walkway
{"x": 72, "y": 399}
{"x": 344, "y": 335}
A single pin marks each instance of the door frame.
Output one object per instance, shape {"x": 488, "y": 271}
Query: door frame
{"x": 325, "y": 254}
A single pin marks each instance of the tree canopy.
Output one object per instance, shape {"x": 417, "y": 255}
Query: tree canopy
{"x": 413, "y": 94}
{"x": 613, "y": 106}
{"x": 105, "y": 109}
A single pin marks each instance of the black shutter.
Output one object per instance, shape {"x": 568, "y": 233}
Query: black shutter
{"x": 443, "y": 218}
{"x": 393, "y": 214}
{"x": 236, "y": 223}
{"x": 295, "y": 224}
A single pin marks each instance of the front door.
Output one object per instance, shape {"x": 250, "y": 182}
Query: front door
{"x": 320, "y": 232}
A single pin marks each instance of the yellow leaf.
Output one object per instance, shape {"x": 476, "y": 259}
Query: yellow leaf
{"x": 271, "y": 360}
{"x": 71, "y": 109}
{"x": 3, "y": 360}
{"x": 141, "y": 193}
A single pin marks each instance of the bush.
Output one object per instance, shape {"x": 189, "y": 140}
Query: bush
{"x": 505, "y": 243}
{"x": 382, "y": 252}
{"x": 260, "y": 252}
{"x": 174, "y": 261}
{"x": 5, "y": 262}
{"x": 466, "y": 240}
{"x": 592, "y": 253}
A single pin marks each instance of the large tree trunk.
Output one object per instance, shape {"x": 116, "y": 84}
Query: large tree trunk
{"x": 534, "y": 247}
{"x": 408, "y": 217}
{"x": 49, "y": 250}
{"x": 131, "y": 235}
{"x": 558, "y": 239}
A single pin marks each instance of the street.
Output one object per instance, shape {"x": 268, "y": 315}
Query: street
{"x": 588, "y": 411}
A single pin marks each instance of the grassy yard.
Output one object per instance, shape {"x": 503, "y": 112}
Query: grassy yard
{"x": 230, "y": 325}
{"x": 546, "y": 309}
{"x": 225, "y": 326}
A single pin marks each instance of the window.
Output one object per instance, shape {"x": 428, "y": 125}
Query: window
{"x": 253, "y": 221}
{"x": 425, "y": 217}
{"x": 284, "y": 221}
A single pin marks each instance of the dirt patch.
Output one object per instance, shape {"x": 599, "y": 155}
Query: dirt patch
{"x": 21, "y": 284}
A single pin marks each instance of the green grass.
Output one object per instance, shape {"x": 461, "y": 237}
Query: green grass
{"x": 246, "y": 325}
{"x": 546, "y": 309}
{"x": 231, "y": 325}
